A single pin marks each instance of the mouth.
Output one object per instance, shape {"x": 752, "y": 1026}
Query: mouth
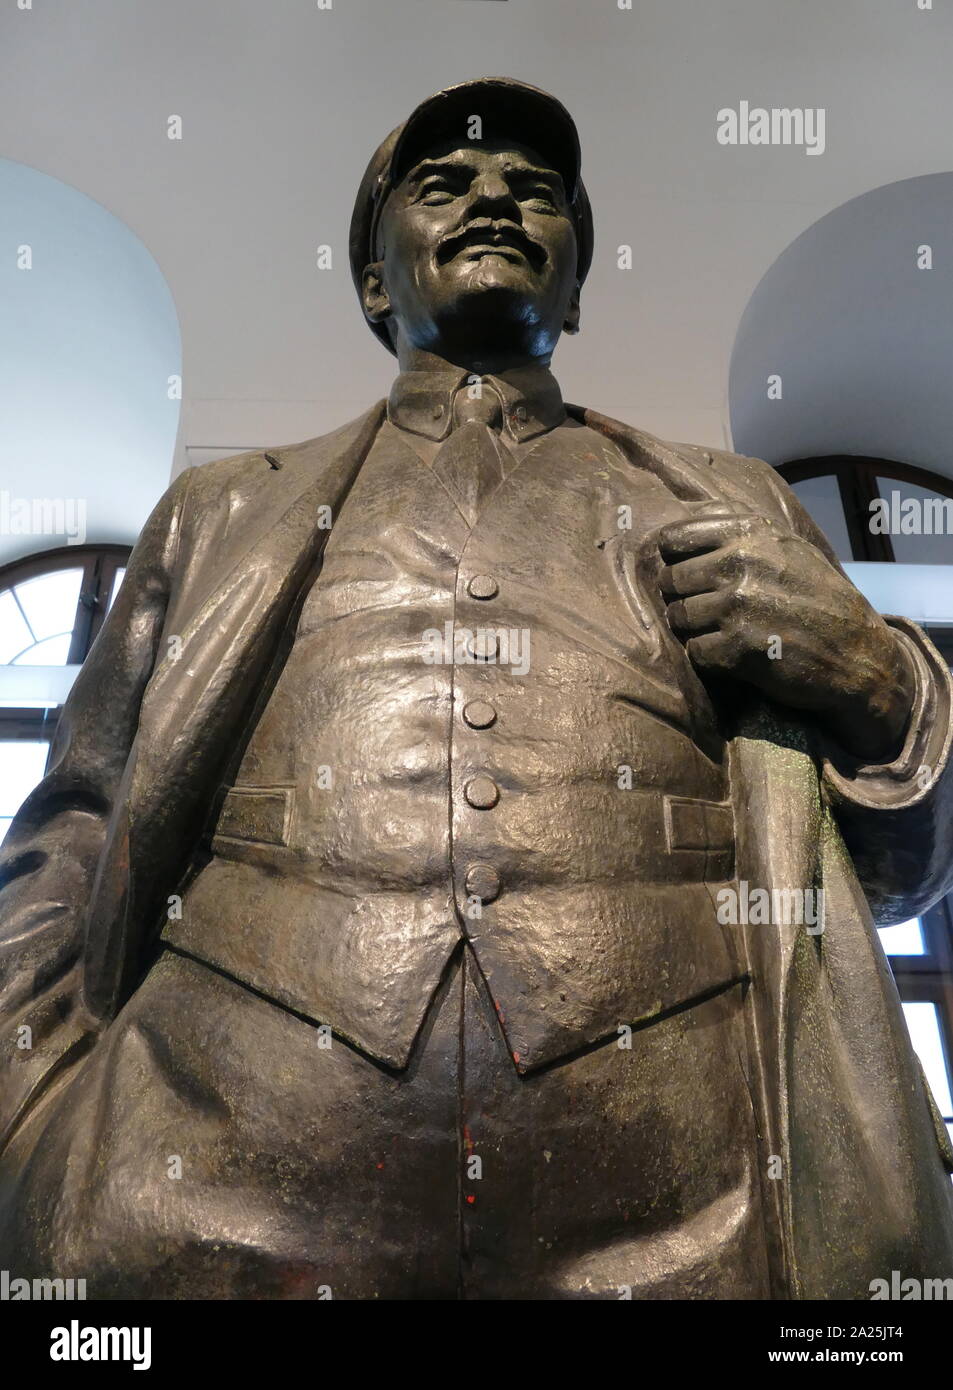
{"x": 508, "y": 243}
{"x": 505, "y": 253}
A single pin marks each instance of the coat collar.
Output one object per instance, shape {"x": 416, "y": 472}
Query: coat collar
{"x": 422, "y": 402}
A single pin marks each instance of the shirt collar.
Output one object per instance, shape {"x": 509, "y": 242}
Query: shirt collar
{"x": 422, "y": 402}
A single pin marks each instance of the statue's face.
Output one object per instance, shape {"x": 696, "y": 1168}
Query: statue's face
{"x": 478, "y": 250}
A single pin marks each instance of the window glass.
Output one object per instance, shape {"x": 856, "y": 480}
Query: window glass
{"x": 49, "y": 602}
{"x": 51, "y": 609}
{"x": 117, "y": 580}
{"x": 37, "y": 618}
{"x": 924, "y": 1024}
{"x": 22, "y": 763}
{"x": 15, "y": 634}
{"x": 905, "y": 939}
{"x": 52, "y": 652}
{"x": 921, "y": 533}
{"x": 820, "y": 497}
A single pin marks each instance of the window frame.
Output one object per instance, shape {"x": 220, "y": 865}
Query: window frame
{"x": 856, "y": 476}
{"x": 99, "y": 564}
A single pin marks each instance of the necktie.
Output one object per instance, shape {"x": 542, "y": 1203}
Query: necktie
{"x": 470, "y": 463}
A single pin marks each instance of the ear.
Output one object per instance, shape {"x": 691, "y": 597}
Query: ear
{"x": 374, "y": 297}
{"x": 571, "y": 321}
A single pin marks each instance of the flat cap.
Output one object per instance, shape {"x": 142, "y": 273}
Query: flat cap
{"x": 508, "y": 109}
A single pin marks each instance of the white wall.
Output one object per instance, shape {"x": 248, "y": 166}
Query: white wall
{"x": 282, "y": 104}
{"x": 88, "y": 341}
{"x": 860, "y": 333}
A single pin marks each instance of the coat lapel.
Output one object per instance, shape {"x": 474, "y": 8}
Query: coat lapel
{"x": 689, "y": 480}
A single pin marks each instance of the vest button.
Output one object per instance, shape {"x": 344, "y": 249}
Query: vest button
{"x": 483, "y": 645}
{"x": 481, "y": 793}
{"x": 479, "y": 714}
{"x": 483, "y": 882}
{"x": 483, "y": 586}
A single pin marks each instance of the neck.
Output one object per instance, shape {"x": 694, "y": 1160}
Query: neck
{"x": 413, "y": 359}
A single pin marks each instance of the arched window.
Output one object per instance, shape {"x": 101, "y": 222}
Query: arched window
{"x": 849, "y": 497}
{"x": 880, "y": 510}
{"x": 52, "y": 606}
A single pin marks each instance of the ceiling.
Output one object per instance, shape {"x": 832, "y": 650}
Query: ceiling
{"x": 282, "y": 104}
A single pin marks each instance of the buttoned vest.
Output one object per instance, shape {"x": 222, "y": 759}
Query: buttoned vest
{"x": 486, "y": 734}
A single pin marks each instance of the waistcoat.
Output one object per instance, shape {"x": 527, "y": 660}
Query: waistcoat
{"x": 485, "y": 734}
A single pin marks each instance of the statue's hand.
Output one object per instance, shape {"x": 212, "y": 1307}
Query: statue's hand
{"x": 753, "y": 601}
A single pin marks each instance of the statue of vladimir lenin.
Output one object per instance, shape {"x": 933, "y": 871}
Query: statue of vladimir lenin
{"x": 371, "y": 935}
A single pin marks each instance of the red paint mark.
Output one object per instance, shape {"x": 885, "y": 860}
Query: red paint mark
{"x": 516, "y": 1057}
{"x": 379, "y": 1166}
{"x": 471, "y": 1199}
{"x": 468, "y": 1138}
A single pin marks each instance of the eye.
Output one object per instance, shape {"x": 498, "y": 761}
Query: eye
{"x": 435, "y": 190}
{"x": 539, "y": 193}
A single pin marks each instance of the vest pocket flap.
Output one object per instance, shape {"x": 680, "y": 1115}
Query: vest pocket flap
{"x": 700, "y": 825}
{"x": 259, "y": 815}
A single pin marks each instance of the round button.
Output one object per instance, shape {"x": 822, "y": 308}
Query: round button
{"x": 483, "y": 882}
{"x": 521, "y": 413}
{"x": 437, "y": 411}
{"x": 481, "y": 793}
{"x": 483, "y": 586}
{"x": 479, "y": 714}
{"x": 483, "y": 645}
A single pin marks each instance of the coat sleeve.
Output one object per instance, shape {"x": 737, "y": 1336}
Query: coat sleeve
{"x": 49, "y": 857}
{"x": 895, "y": 818}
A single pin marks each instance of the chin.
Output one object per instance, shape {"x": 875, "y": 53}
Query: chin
{"x": 492, "y": 295}
{"x": 488, "y": 323}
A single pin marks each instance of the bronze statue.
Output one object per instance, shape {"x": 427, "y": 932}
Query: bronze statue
{"x": 383, "y": 926}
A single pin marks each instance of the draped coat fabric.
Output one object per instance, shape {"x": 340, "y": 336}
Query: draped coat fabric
{"x": 854, "y": 1157}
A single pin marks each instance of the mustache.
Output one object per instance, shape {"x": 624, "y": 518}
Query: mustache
{"x": 486, "y": 232}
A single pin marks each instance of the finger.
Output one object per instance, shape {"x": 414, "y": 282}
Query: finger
{"x": 680, "y": 539}
{"x": 712, "y": 651}
{"x": 696, "y": 614}
{"x": 699, "y": 575}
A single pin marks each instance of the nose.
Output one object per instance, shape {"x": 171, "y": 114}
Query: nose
{"x": 490, "y": 194}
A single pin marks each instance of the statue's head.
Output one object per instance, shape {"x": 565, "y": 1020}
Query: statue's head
{"x": 472, "y": 233}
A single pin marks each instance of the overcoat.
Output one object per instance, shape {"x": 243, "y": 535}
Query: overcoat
{"x": 855, "y": 1157}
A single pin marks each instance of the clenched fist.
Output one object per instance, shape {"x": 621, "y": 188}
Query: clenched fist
{"x": 754, "y": 601}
